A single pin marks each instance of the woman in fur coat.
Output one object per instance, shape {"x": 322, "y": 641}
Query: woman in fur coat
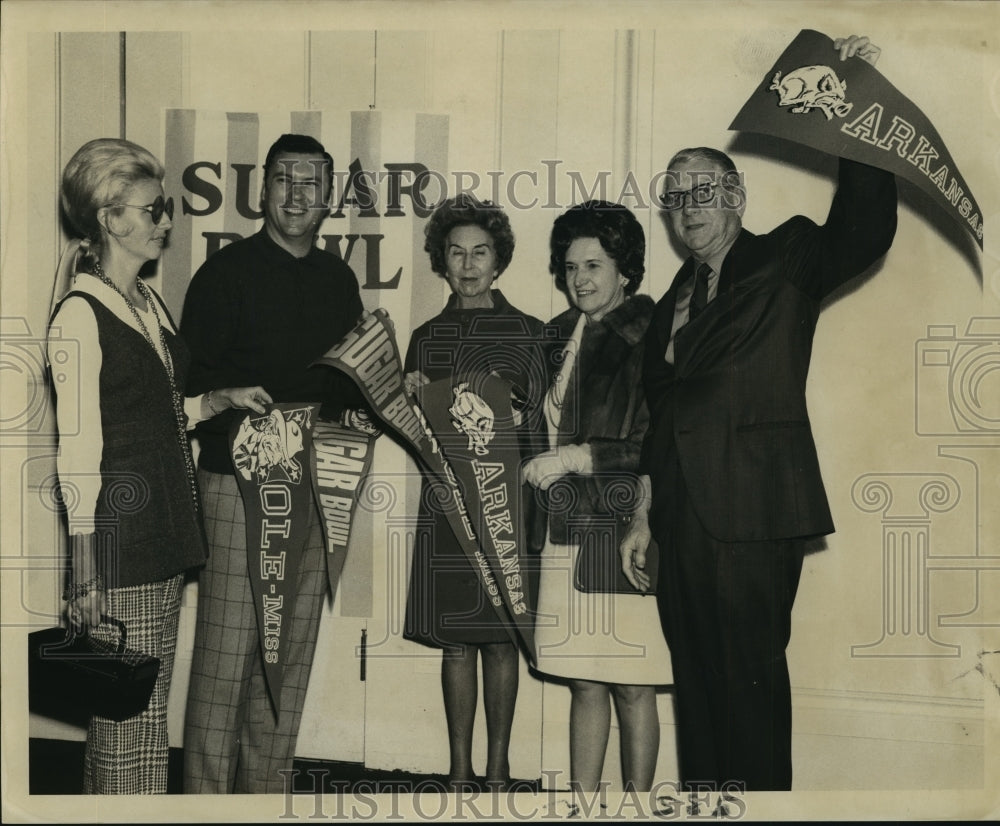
{"x": 607, "y": 645}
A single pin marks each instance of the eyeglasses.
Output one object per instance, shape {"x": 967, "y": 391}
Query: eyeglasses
{"x": 155, "y": 209}
{"x": 698, "y": 195}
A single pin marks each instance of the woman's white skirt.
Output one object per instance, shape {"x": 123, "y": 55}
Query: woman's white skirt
{"x": 614, "y": 638}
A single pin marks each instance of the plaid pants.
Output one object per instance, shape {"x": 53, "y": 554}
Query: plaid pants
{"x": 233, "y": 739}
{"x": 130, "y": 757}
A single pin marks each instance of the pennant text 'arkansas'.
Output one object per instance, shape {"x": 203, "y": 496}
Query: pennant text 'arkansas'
{"x": 848, "y": 109}
{"x": 369, "y": 355}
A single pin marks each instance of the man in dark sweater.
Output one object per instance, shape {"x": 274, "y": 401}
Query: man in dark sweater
{"x": 260, "y": 311}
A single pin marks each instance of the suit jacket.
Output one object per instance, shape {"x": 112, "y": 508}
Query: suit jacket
{"x": 604, "y": 407}
{"x": 732, "y": 408}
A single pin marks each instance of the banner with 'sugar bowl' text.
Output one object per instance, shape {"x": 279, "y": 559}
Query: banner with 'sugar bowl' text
{"x": 482, "y": 514}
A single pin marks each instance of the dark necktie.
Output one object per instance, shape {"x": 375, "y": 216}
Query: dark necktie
{"x": 699, "y": 298}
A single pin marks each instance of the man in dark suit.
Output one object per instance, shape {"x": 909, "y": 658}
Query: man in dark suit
{"x": 732, "y": 485}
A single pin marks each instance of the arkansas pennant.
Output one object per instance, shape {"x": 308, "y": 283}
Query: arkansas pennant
{"x": 370, "y": 357}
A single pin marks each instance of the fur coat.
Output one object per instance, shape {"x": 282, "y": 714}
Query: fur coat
{"x": 604, "y": 407}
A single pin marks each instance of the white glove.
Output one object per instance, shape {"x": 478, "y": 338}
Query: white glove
{"x": 546, "y": 468}
{"x": 411, "y": 381}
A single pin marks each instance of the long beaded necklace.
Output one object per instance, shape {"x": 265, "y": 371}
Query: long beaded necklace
{"x": 168, "y": 364}
{"x": 557, "y": 392}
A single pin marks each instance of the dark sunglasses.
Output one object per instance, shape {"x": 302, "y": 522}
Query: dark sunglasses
{"x": 155, "y": 209}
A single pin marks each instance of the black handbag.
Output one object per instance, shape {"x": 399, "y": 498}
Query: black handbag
{"x": 598, "y": 564}
{"x": 68, "y": 672}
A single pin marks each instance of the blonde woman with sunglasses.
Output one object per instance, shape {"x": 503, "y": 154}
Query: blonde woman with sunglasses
{"x": 125, "y": 469}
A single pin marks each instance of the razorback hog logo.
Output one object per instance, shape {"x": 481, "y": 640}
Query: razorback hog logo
{"x": 473, "y": 417}
{"x": 812, "y": 87}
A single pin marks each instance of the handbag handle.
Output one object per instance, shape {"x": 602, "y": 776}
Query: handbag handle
{"x": 71, "y": 635}
{"x": 107, "y": 619}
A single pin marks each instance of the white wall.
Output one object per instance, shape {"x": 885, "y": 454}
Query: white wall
{"x": 597, "y": 91}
